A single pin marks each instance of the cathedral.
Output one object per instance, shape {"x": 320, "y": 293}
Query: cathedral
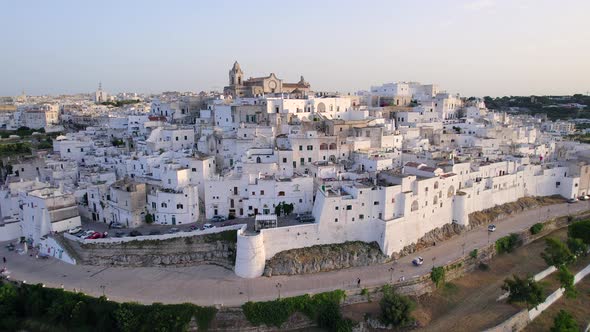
{"x": 258, "y": 86}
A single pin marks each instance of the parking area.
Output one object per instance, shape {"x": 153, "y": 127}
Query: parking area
{"x": 153, "y": 229}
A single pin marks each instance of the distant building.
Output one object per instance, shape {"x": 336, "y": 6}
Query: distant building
{"x": 258, "y": 86}
{"x": 100, "y": 96}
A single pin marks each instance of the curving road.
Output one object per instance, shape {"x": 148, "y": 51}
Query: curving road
{"x": 212, "y": 285}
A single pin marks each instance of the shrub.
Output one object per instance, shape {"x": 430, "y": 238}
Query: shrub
{"x": 473, "y": 253}
{"x": 76, "y": 311}
{"x": 525, "y": 290}
{"x": 564, "y": 322}
{"x": 556, "y": 253}
{"x": 577, "y": 247}
{"x": 536, "y": 228}
{"x": 437, "y": 275}
{"x": 483, "y": 266}
{"x": 507, "y": 243}
{"x": 580, "y": 230}
{"x": 322, "y": 308}
{"x": 149, "y": 218}
{"x": 566, "y": 278}
{"x": 396, "y": 309}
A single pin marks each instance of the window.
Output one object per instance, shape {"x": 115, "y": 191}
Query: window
{"x": 376, "y": 203}
{"x": 253, "y": 194}
{"x": 186, "y": 138}
{"x": 361, "y": 216}
{"x": 336, "y": 208}
{"x": 349, "y": 207}
{"x": 284, "y": 160}
{"x": 301, "y": 148}
{"x": 262, "y": 192}
{"x": 179, "y": 206}
{"x": 310, "y": 148}
{"x": 335, "y": 219}
{"x": 153, "y": 205}
{"x": 193, "y": 169}
{"x": 176, "y": 138}
{"x": 164, "y": 205}
{"x": 281, "y": 193}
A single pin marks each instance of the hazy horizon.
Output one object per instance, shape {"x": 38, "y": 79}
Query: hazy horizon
{"x": 475, "y": 48}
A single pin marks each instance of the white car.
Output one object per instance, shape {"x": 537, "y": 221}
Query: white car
{"x": 75, "y": 230}
{"x": 86, "y": 234}
{"x": 418, "y": 261}
{"x": 207, "y": 226}
{"x": 491, "y": 228}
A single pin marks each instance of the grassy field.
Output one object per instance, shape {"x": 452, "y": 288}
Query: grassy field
{"x": 470, "y": 303}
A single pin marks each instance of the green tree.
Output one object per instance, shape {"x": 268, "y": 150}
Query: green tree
{"x": 577, "y": 247}
{"x": 437, "y": 275}
{"x": 564, "y": 322}
{"x": 556, "y": 253}
{"x": 396, "y": 309}
{"x": 566, "y": 278}
{"x": 506, "y": 243}
{"x": 525, "y": 290}
{"x": 580, "y": 230}
{"x": 8, "y": 299}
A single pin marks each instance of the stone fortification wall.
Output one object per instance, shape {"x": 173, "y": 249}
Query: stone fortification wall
{"x": 194, "y": 249}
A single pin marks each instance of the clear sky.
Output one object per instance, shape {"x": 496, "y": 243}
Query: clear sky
{"x": 474, "y": 47}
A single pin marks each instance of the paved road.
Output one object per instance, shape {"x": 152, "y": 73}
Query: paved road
{"x": 211, "y": 285}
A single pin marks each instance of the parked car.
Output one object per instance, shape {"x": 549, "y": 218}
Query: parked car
{"x": 155, "y": 232}
{"x": 306, "y": 218}
{"x": 173, "y": 230}
{"x": 117, "y": 225}
{"x": 95, "y": 235}
{"x": 418, "y": 261}
{"x": 193, "y": 228}
{"x": 584, "y": 197}
{"x": 86, "y": 233}
{"x": 135, "y": 233}
{"x": 119, "y": 234}
{"x": 218, "y": 218}
{"x": 491, "y": 228}
{"x": 207, "y": 226}
{"x": 572, "y": 200}
{"x": 10, "y": 247}
{"x": 75, "y": 230}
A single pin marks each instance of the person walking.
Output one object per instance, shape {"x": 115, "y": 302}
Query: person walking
{"x": 358, "y": 282}
{"x": 4, "y": 260}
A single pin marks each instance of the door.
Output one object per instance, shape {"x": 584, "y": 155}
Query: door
{"x": 173, "y": 220}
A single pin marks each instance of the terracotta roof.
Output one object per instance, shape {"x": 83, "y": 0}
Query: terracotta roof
{"x": 412, "y": 164}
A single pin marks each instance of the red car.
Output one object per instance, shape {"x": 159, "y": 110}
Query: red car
{"x": 95, "y": 235}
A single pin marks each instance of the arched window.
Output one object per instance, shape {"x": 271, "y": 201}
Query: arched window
{"x": 436, "y": 185}
{"x": 435, "y": 200}
{"x": 414, "y": 206}
{"x": 324, "y": 146}
{"x": 332, "y": 146}
{"x": 321, "y": 107}
{"x": 179, "y": 206}
{"x": 258, "y": 160}
{"x": 451, "y": 191}
{"x": 164, "y": 205}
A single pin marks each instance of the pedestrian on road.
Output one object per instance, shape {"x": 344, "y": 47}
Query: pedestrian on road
{"x": 4, "y": 260}
{"x": 358, "y": 282}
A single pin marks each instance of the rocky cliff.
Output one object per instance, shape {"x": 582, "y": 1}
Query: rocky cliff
{"x": 218, "y": 249}
{"x": 323, "y": 258}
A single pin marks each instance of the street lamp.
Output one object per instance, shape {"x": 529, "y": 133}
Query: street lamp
{"x": 463, "y": 246}
{"x": 103, "y": 288}
{"x": 279, "y": 286}
{"x": 391, "y": 269}
{"x": 433, "y": 259}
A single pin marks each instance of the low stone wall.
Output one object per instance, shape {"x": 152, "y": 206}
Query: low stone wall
{"x": 513, "y": 324}
{"x": 217, "y": 248}
{"x": 322, "y": 258}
